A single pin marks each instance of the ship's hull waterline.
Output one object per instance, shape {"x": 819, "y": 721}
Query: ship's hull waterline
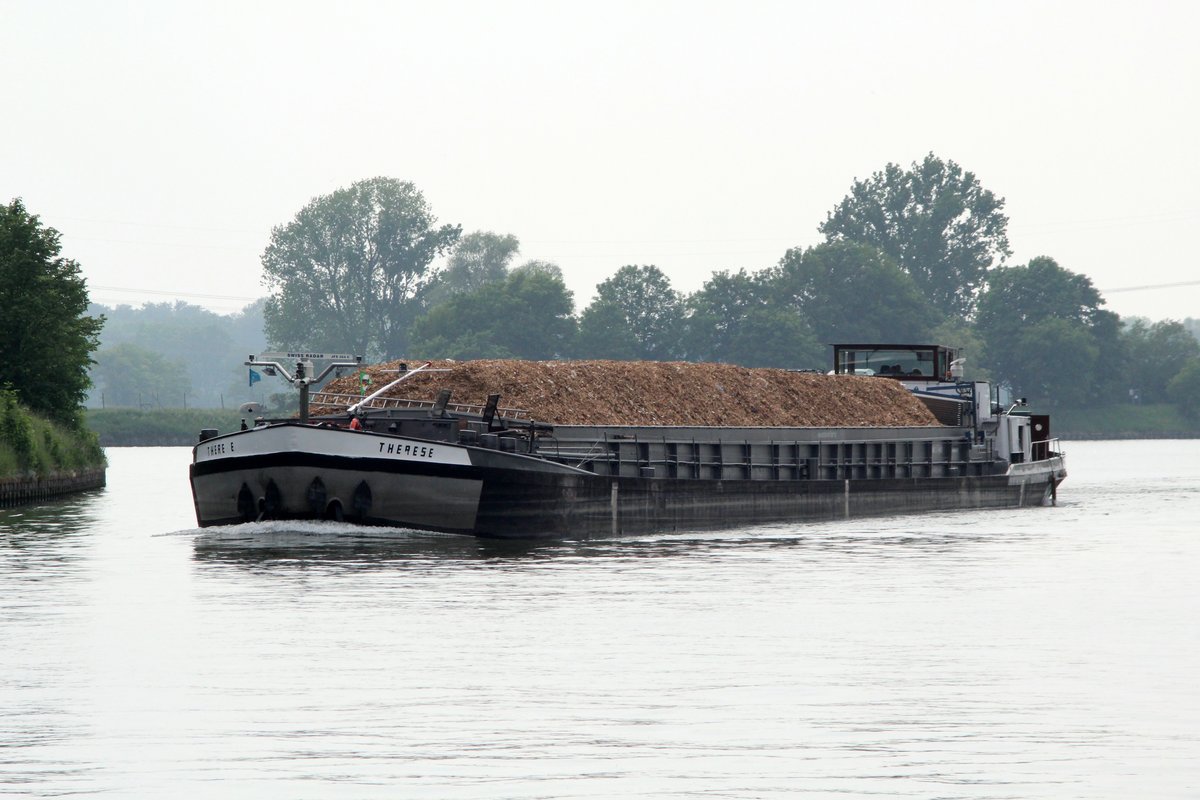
{"x": 291, "y": 471}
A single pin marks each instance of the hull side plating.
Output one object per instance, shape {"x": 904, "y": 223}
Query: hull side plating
{"x": 298, "y": 472}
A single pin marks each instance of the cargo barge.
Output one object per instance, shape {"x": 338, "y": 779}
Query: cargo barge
{"x": 485, "y": 470}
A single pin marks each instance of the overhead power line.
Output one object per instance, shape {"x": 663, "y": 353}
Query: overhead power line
{"x": 1150, "y": 286}
{"x": 134, "y": 223}
{"x": 168, "y": 293}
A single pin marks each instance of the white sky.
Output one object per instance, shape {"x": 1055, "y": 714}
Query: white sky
{"x": 166, "y": 139}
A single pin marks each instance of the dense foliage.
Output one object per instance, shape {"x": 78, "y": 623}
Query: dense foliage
{"x": 159, "y": 426}
{"x": 32, "y": 444}
{"x": 851, "y": 292}
{"x": 176, "y": 354}
{"x": 46, "y": 336}
{"x": 347, "y": 272}
{"x": 935, "y": 221}
{"x": 1184, "y": 389}
{"x": 132, "y": 375}
{"x": 479, "y": 259}
{"x": 526, "y": 313}
{"x": 740, "y": 318}
{"x": 911, "y": 256}
{"x": 1157, "y": 353}
{"x": 1046, "y": 333}
{"x": 636, "y": 314}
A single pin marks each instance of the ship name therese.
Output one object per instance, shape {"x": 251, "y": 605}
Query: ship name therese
{"x": 406, "y": 450}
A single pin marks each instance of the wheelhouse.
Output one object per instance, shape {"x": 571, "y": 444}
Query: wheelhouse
{"x": 908, "y": 362}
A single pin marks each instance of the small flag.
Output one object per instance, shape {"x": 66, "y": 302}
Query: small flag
{"x": 254, "y": 377}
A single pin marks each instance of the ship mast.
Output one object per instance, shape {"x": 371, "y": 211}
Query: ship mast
{"x": 303, "y": 373}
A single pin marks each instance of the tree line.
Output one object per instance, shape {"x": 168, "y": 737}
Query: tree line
{"x": 910, "y": 255}
{"x": 173, "y": 355}
{"x": 60, "y": 352}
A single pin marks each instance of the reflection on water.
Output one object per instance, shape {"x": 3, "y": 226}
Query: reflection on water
{"x": 44, "y": 570}
{"x": 39, "y": 522}
{"x": 45, "y": 542}
{"x": 1041, "y": 652}
{"x": 284, "y": 543}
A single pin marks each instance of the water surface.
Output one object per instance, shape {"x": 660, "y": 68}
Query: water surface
{"x": 1032, "y": 653}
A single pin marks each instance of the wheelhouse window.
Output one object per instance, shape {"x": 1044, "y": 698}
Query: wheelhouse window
{"x": 908, "y": 362}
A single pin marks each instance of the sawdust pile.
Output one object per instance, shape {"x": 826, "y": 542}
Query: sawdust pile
{"x": 655, "y": 393}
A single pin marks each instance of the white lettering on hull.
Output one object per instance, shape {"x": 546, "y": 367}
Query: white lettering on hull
{"x": 327, "y": 441}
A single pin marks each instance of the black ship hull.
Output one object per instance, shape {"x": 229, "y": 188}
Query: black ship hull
{"x": 290, "y": 471}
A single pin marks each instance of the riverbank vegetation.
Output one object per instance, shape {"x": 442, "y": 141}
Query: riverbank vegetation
{"x": 31, "y": 444}
{"x": 46, "y": 335}
{"x": 910, "y": 254}
{"x": 132, "y": 427}
{"x": 46, "y": 342}
{"x": 1125, "y": 421}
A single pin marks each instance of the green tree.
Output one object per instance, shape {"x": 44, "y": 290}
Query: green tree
{"x": 347, "y": 271}
{"x": 46, "y": 336}
{"x": 849, "y": 292}
{"x": 1059, "y": 362}
{"x": 16, "y": 430}
{"x": 1184, "y": 389}
{"x": 1067, "y": 363}
{"x": 539, "y": 322}
{"x": 479, "y": 258}
{"x": 1110, "y": 382}
{"x": 1156, "y": 353}
{"x": 960, "y": 334}
{"x": 1193, "y": 326}
{"x": 246, "y": 326}
{"x": 183, "y": 334}
{"x": 935, "y": 221}
{"x": 212, "y": 347}
{"x": 635, "y": 315}
{"x": 528, "y": 314}
{"x": 541, "y": 267}
{"x": 130, "y": 375}
{"x": 735, "y": 318}
{"x": 604, "y": 332}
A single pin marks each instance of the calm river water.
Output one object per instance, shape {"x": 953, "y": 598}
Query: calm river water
{"x": 1036, "y": 653}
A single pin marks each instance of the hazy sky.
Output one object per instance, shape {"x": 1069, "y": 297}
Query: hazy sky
{"x": 165, "y": 139}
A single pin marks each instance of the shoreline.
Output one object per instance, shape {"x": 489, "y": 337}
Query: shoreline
{"x": 20, "y": 490}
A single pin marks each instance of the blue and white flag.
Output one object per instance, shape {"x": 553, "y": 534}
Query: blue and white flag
{"x": 254, "y": 377}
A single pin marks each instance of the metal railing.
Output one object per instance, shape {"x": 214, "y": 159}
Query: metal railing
{"x": 1046, "y": 449}
{"x": 342, "y": 400}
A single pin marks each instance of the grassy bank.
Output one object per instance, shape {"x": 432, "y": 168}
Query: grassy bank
{"x": 32, "y": 445}
{"x": 161, "y": 427}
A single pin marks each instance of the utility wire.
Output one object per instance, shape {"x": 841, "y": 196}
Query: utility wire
{"x": 1150, "y": 286}
{"x": 168, "y": 293}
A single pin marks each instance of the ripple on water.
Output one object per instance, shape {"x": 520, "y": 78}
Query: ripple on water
{"x": 1010, "y": 653}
